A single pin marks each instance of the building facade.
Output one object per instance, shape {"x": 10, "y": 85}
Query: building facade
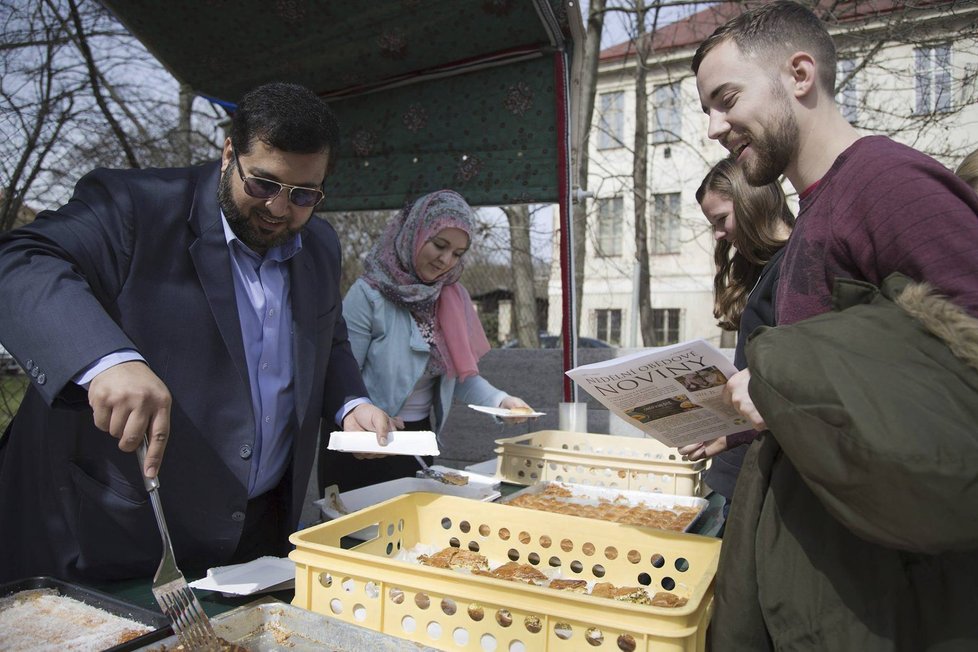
{"x": 905, "y": 71}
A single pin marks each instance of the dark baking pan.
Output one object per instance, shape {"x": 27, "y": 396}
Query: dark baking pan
{"x": 102, "y": 601}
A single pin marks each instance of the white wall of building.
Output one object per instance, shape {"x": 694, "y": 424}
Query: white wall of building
{"x": 683, "y": 280}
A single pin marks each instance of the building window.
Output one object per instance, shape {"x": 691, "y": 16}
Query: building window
{"x": 608, "y": 326}
{"x": 611, "y": 120}
{"x": 932, "y": 79}
{"x": 665, "y": 227}
{"x": 667, "y": 114}
{"x": 846, "y": 96}
{"x": 665, "y": 326}
{"x": 610, "y": 226}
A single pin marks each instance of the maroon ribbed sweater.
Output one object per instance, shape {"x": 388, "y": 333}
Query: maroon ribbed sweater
{"x": 883, "y": 207}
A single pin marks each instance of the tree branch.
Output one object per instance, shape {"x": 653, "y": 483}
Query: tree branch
{"x": 93, "y": 77}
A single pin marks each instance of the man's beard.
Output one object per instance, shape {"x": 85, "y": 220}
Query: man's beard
{"x": 774, "y": 148}
{"x": 240, "y": 223}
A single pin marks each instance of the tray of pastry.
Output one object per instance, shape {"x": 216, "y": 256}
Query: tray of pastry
{"x": 46, "y": 613}
{"x": 269, "y": 624}
{"x": 646, "y": 509}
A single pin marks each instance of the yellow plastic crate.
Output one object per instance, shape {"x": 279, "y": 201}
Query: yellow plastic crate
{"x": 599, "y": 460}
{"x": 450, "y": 610}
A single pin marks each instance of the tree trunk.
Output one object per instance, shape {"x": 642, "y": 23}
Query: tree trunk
{"x": 640, "y": 178}
{"x": 81, "y": 40}
{"x": 184, "y": 144}
{"x": 589, "y": 81}
{"x": 524, "y": 295}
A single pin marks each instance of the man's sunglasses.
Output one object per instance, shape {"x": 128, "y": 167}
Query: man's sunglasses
{"x": 267, "y": 189}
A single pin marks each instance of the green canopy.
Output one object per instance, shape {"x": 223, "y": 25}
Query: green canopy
{"x": 466, "y": 94}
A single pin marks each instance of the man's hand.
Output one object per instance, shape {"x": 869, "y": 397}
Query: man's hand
{"x": 704, "y": 449}
{"x": 130, "y": 402}
{"x": 511, "y": 402}
{"x": 370, "y": 418}
{"x": 735, "y": 393}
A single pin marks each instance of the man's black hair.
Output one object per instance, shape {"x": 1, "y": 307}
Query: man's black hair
{"x": 288, "y": 117}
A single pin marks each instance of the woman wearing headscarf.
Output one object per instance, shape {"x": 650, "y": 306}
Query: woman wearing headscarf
{"x": 414, "y": 332}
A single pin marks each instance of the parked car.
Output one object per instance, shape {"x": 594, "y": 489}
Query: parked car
{"x": 555, "y": 342}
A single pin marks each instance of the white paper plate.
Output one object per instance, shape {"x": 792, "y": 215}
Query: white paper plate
{"x": 399, "y": 442}
{"x": 256, "y": 576}
{"x": 504, "y": 412}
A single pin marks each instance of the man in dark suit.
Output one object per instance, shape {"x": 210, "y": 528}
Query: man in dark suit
{"x": 199, "y": 308}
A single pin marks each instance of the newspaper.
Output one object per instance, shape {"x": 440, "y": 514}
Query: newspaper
{"x": 672, "y": 393}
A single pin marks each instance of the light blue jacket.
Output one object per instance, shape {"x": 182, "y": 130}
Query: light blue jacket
{"x": 392, "y": 355}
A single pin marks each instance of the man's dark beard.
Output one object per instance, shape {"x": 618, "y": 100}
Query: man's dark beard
{"x": 773, "y": 150}
{"x": 240, "y": 225}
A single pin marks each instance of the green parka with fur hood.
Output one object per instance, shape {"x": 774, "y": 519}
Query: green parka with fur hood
{"x": 855, "y": 521}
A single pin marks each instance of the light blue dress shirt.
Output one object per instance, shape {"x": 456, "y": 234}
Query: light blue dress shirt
{"x": 263, "y": 296}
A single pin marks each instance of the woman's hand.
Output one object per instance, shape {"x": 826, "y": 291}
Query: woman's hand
{"x": 511, "y": 402}
{"x": 704, "y": 449}
{"x": 735, "y": 393}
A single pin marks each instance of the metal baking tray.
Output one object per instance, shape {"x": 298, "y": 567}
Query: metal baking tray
{"x": 591, "y": 496}
{"x": 357, "y": 499}
{"x": 269, "y": 624}
{"x": 99, "y": 600}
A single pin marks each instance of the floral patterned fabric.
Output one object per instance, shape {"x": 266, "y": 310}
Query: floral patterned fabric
{"x": 430, "y": 93}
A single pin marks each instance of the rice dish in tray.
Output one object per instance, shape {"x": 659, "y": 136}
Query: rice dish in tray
{"x": 43, "y": 619}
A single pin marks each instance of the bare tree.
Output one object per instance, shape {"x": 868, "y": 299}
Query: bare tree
{"x": 588, "y": 85}
{"x": 358, "y": 232}
{"x": 78, "y": 91}
{"x": 640, "y": 171}
{"x": 641, "y": 10}
{"x": 524, "y": 293}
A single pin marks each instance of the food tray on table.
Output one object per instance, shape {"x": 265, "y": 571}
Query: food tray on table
{"x": 372, "y": 585}
{"x": 593, "y": 459}
{"x": 49, "y": 609}
{"x": 655, "y": 510}
{"x": 268, "y": 624}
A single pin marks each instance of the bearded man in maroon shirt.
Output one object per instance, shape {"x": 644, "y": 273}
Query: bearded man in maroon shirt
{"x": 869, "y": 207}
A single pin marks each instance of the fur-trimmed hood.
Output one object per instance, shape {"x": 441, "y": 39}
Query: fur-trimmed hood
{"x": 944, "y": 319}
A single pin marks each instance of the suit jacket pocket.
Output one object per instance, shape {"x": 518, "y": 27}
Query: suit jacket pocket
{"x": 114, "y": 526}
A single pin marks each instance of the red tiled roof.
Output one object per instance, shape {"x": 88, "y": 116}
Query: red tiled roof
{"x": 690, "y": 31}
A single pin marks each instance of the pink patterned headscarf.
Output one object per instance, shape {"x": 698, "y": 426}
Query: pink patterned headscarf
{"x": 441, "y": 308}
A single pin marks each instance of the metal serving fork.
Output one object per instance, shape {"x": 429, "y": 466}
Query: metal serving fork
{"x": 170, "y": 588}
{"x": 430, "y": 472}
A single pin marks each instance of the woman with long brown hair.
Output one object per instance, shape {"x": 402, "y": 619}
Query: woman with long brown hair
{"x": 751, "y": 225}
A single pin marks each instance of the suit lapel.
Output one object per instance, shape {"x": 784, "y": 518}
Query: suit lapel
{"x": 213, "y": 263}
{"x": 304, "y": 319}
